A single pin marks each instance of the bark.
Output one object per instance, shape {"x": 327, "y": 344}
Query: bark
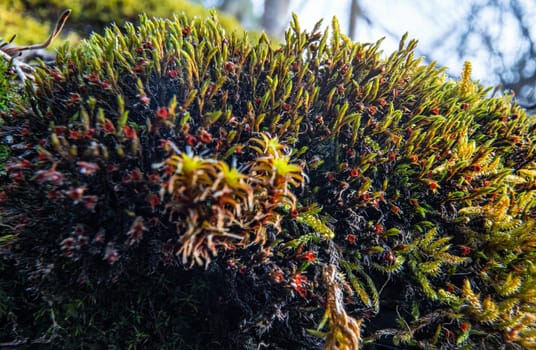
{"x": 275, "y": 17}
{"x": 355, "y": 13}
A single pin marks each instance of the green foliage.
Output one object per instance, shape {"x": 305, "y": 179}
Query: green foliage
{"x": 312, "y": 186}
{"x": 7, "y": 100}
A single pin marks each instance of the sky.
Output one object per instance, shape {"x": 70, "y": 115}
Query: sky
{"x": 425, "y": 20}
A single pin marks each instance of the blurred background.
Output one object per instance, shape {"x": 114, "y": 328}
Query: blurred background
{"x": 497, "y": 36}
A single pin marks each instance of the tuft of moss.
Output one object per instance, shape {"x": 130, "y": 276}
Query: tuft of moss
{"x": 321, "y": 194}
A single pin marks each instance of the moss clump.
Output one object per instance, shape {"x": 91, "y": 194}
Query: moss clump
{"x": 319, "y": 193}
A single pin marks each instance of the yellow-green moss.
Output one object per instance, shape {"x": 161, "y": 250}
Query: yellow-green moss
{"x": 95, "y": 14}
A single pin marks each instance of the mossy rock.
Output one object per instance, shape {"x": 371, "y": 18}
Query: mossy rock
{"x": 27, "y": 29}
{"x": 95, "y": 15}
{"x": 322, "y": 195}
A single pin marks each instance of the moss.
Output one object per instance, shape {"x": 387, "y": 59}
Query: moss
{"x": 94, "y": 15}
{"x": 303, "y": 187}
{"x": 27, "y": 29}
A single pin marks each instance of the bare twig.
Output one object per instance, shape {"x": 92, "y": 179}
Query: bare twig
{"x": 10, "y": 53}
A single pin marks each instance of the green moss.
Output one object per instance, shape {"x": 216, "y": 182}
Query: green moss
{"x": 27, "y": 29}
{"x": 94, "y": 15}
{"x": 313, "y": 181}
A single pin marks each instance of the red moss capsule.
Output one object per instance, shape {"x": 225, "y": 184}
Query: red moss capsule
{"x": 53, "y": 194}
{"x": 87, "y": 168}
{"x": 308, "y": 256}
{"x": 186, "y": 31}
{"x": 351, "y": 238}
{"x": 108, "y": 127}
{"x": 74, "y": 134}
{"x": 111, "y": 255}
{"x": 57, "y": 76}
{"x": 464, "y": 250}
{"x": 90, "y": 202}
{"x": 162, "y": 113}
{"x": 299, "y": 282}
{"x": 92, "y": 78}
{"x": 354, "y": 172}
{"x": 144, "y": 99}
{"x": 229, "y": 66}
{"x": 68, "y": 243}
{"x": 148, "y": 45}
{"x": 191, "y": 140}
{"x": 277, "y": 276}
{"x": 135, "y": 175}
{"x": 378, "y": 228}
{"x": 76, "y": 194}
{"x": 136, "y": 231}
{"x": 205, "y": 136}
{"x": 42, "y": 156}
{"x": 89, "y": 133}
{"x": 389, "y": 257}
{"x": 130, "y": 132}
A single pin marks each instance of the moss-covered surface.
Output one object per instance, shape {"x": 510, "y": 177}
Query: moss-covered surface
{"x": 167, "y": 176}
{"x": 32, "y": 20}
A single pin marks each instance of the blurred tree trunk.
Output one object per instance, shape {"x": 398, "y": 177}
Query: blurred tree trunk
{"x": 275, "y": 17}
{"x": 355, "y": 13}
{"x": 240, "y": 9}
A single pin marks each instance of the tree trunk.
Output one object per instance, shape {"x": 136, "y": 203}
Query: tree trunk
{"x": 240, "y": 9}
{"x": 275, "y": 17}
{"x": 355, "y": 13}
